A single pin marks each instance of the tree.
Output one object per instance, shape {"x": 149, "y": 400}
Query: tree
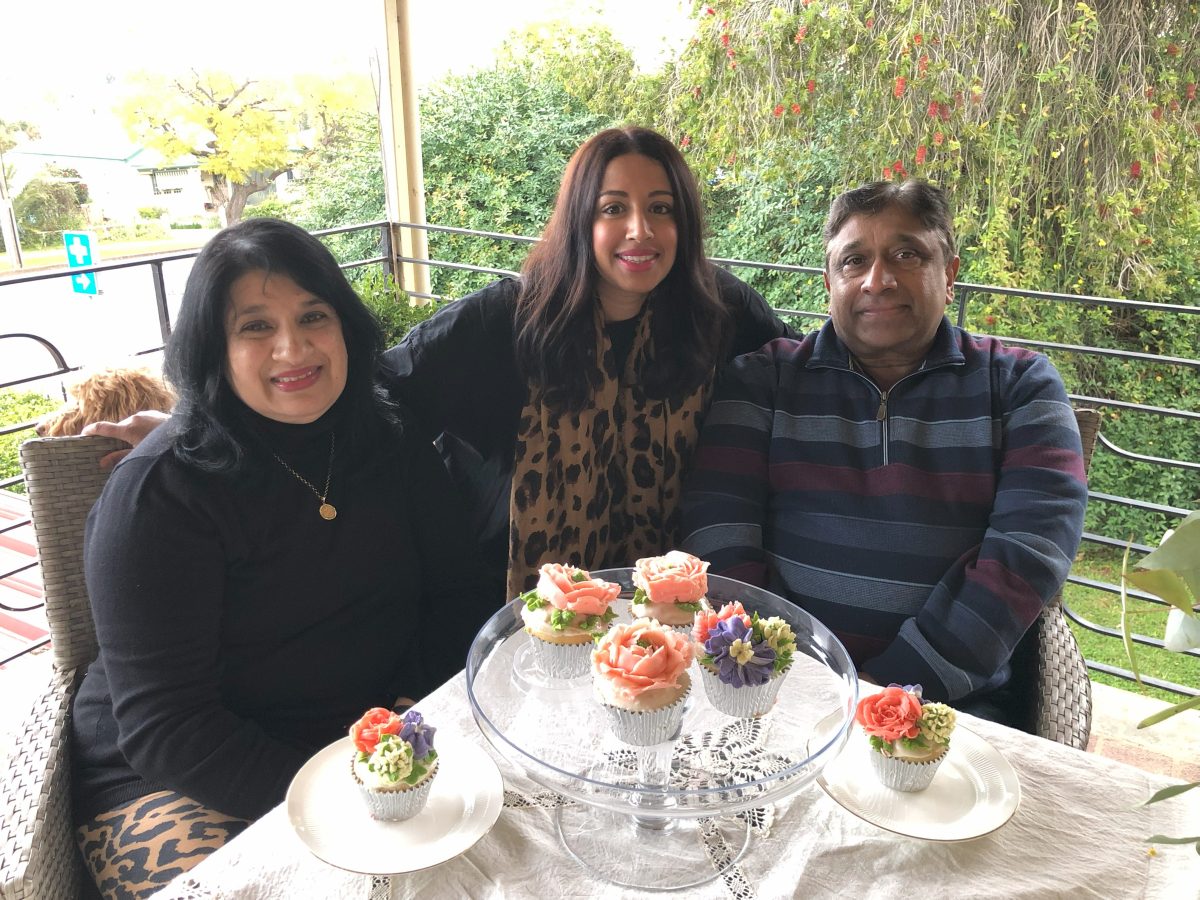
{"x": 10, "y": 137}
{"x": 51, "y": 203}
{"x": 236, "y": 129}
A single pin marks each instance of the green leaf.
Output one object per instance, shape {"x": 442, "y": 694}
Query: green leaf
{"x": 1179, "y": 554}
{"x": 1162, "y": 715}
{"x": 1163, "y": 583}
{"x": 1168, "y": 792}
{"x": 1163, "y": 839}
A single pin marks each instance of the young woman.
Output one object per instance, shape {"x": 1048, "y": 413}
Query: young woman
{"x": 568, "y": 401}
{"x": 262, "y": 569}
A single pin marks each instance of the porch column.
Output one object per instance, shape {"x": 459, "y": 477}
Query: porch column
{"x": 400, "y": 127}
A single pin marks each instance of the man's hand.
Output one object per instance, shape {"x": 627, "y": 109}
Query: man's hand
{"x": 132, "y": 431}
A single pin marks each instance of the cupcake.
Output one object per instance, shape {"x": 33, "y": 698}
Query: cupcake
{"x": 639, "y": 675}
{"x": 563, "y": 615}
{"x": 670, "y": 588}
{"x": 394, "y": 763}
{"x": 743, "y": 659}
{"x": 910, "y": 738}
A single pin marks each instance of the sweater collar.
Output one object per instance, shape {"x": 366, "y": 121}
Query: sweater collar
{"x": 830, "y": 353}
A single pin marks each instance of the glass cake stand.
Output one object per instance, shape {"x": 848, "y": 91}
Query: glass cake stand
{"x": 664, "y": 817}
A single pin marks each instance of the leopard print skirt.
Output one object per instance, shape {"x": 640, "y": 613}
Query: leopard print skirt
{"x": 133, "y": 851}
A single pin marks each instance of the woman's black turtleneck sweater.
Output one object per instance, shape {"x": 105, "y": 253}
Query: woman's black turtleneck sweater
{"x": 240, "y": 631}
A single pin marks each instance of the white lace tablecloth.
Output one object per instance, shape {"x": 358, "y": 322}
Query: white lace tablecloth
{"x": 1078, "y": 832}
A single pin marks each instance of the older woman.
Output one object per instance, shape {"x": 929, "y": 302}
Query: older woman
{"x": 569, "y": 401}
{"x": 261, "y": 570}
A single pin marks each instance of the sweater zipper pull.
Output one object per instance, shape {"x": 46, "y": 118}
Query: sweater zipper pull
{"x": 881, "y": 414}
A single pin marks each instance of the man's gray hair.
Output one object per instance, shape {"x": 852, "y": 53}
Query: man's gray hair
{"x": 920, "y": 199}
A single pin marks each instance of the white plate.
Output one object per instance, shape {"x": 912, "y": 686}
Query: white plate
{"x": 325, "y": 808}
{"x": 974, "y": 792}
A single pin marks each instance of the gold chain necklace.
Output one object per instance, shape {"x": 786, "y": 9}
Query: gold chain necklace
{"x": 327, "y": 510}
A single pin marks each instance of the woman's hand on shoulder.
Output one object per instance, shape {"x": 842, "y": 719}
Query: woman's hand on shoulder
{"x": 132, "y": 430}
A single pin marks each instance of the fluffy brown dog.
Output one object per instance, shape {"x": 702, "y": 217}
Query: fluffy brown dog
{"x": 108, "y": 395}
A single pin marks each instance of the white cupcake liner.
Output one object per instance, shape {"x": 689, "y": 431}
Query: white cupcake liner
{"x": 748, "y": 702}
{"x": 562, "y": 660}
{"x": 398, "y": 803}
{"x": 644, "y": 728}
{"x": 905, "y": 774}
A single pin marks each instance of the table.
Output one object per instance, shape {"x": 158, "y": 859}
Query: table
{"x": 1077, "y": 833}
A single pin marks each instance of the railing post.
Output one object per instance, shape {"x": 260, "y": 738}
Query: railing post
{"x": 160, "y": 300}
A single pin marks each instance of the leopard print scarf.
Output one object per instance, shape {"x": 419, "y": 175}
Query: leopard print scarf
{"x": 601, "y": 488}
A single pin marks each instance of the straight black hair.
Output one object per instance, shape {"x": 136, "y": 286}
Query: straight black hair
{"x": 208, "y": 420}
{"x": 923, "y": 201}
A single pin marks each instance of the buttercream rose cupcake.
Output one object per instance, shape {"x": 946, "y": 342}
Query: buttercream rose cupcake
{"x": 743, "y": 659}
{"x": 564, "y": 614}
{"x": 670, "y": 588}
{"x": 639, "y": 674}
{"x": 394, "y": 763}
{"x": 910, "y": 738}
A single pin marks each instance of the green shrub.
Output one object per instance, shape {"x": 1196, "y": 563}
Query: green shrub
{"x": 396, "y": 313}
{"x": 152, "y": 213}
{"x": 16, "y": 407}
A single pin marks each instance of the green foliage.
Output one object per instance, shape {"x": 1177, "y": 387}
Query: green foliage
{"x": 396, "y": 313}
{"x": 270, "y": 207}
{"x": 17, "y": 407}
{"x": 495, "y": 144}
{"x": 151, "y": 213}
{"x": 49, "y": 205}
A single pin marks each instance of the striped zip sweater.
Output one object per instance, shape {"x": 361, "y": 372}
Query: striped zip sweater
{"x": 926, "y": 525}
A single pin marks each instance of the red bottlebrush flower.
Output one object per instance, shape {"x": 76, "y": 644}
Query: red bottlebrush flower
{"x": 921, "y": 151}
{"x": 898, "y": 87}
{"x": 957, "y": 99}
{"x": 1137, "y": 210}
{"x": 733, "y": 64}
{"x": 887, "y": 173}
{"x": 1145, "y": 241}
{"x": 944, "y": 112}
{"x": 917, "y": 38}
{"x": 1191, "y": 90}
{"x": 811, "y": 86}
{"x": 933, "y": 109}
{"x": 1156, "y": 113}
{"x": 922, "y": 65}
{"x": 976, "y": 96}
{"x": 778, "y": 110}
{"x": 1174, "y": 106}
{"x": 709, "y": 11}
{"x": 1135, "y": 169}
{"x": 801, "y": 32}
{"x": 730, "y": 53}
{"x": 725, "y": 39}
{"x": 938, "y": 137}
{"x": 686, "y": 141}
{"x": 1149, "y": 93}
{"x": 870, "y": 23}
{"x": 989, "y": 320}
{"x": 796, "y": 108}
{"x": 725, "y": 25}
{"x": 1172, "y": 49}
{"x": 696, "y": 92}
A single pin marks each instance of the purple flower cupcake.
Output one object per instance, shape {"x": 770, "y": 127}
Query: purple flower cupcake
{"x": 743, "y": 659}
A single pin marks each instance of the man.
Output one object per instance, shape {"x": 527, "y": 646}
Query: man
{"x": 918, "y": 489}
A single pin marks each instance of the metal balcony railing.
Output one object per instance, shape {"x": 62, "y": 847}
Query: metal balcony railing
{"x": 968, "y": 296}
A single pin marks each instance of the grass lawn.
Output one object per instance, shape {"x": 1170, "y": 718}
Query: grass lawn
{"x": 1102, "y": 608}
{"x": 56, "y": 257}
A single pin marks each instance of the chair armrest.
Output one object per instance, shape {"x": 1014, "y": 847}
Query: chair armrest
{"x": 38, "y": 856}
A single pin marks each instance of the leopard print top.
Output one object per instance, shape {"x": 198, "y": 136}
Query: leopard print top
{"x": 601, "y": 487}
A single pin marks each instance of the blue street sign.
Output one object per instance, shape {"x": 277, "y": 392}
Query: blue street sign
{"x": 81, "y": 251}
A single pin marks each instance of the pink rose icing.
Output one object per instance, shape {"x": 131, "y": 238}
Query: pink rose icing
{"x": 706, "y": 619}
{"x": 562, "y": 588}
{"x": 675, "y": 577}
{"x": 640, "y": 657}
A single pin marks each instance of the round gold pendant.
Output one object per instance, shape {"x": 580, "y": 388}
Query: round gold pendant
{"x": 328, "y": 512}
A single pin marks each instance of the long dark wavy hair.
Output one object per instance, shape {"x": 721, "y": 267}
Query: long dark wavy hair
{"x": 209, "y": 422}
{"x": 555, "y": 307}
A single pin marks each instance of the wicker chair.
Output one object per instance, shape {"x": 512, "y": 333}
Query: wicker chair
{"x": 1047, "y": 665}
{"x": 38, "y": 857}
